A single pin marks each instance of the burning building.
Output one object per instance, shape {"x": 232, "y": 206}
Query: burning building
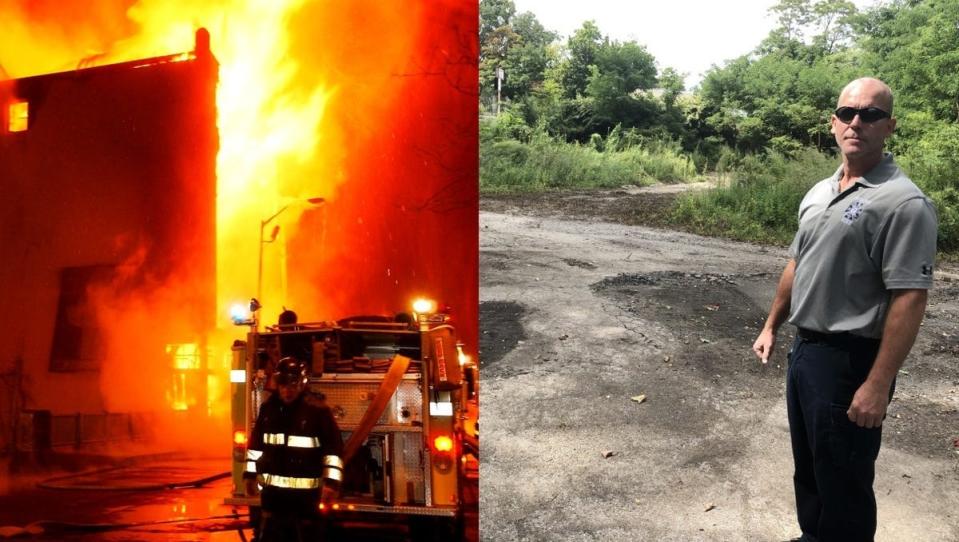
{"x": 135, "y": 191}
{"x": 108, "y": 177}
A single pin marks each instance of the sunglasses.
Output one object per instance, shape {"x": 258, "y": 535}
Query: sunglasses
{"x": 867, "y": 115}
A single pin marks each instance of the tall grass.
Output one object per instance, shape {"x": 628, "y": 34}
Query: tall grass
{"x": 508, "y": 165}
{"x": 761, "y": 201}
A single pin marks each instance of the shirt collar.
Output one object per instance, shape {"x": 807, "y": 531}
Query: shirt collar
{"x": 879, "y": 174}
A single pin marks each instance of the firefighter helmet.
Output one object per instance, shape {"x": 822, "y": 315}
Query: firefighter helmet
{"x": 291, "y": 371}
{"x": 287, "y": 317}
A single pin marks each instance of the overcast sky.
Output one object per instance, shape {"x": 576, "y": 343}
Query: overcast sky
{"x": 689, "y": 35}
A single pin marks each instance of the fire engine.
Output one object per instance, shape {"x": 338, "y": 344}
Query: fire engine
{"x": 404, "y": 395}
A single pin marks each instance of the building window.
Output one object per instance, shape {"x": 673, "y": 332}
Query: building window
{"x": 78, "y": 338}
{"x": 18, "y": 117}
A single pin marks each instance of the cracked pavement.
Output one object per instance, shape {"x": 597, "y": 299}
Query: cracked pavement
{"x": 577, "y": 317}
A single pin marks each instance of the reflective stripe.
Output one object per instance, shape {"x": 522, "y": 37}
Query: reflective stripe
{"x": 333, "y": 467}
{"x": 296, "y": 441}
{"x": 443, "y": 408}
{"x": 290, "y": 482}
{"x": 274, "y": 438}
{"x": 251, "y": 466}
{"x": 238, "y": 376}
{"x": 253, "y": 455}
{"x": 333, "y": 473}
{"x": 293, "y": 441}
{"x": 333, "y": 461}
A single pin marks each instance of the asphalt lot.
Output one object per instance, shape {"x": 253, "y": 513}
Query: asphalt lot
{"x": 579, "y": 318}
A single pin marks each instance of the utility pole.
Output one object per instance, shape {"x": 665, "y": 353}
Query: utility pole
{"x": 500, "y": 75}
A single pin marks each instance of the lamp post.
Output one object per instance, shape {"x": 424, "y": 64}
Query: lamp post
{"x": 276, "y": 231}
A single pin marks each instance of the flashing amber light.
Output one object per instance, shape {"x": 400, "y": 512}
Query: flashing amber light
{"x": 424, "y": 306}
{"x": 443, "y": 443}
{"x": 336, "y": 506}
{"x": 464, "y": 359}
{"x": 239, "y": 438}
{"x": 322, "y": 506}
{"x": 351, "y": 507}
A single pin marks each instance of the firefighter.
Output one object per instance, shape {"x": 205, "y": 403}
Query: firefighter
{"x": 294, "y": 455}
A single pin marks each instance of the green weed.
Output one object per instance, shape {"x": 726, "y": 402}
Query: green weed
{"x": 543, "y": 163}
{"x": 761, "y": 201}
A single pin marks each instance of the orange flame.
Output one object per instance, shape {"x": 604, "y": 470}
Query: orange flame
{"x": 369, "y": 105}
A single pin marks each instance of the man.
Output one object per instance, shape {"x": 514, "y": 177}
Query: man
{"x": 295, "y": 457}
{"x": 855, "y": 287}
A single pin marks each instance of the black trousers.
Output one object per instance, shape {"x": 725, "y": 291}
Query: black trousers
{"x": 834, "y": 458}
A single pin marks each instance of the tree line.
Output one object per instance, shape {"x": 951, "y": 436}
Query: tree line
{"x": 775, "y": 100}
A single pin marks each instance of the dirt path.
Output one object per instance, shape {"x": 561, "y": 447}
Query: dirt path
{"x": 580, "y": 316}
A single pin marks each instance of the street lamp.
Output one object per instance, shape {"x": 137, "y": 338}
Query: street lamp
{"x": 273, "y": 234}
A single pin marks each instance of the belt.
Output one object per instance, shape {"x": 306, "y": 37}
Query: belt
{"x": 841, "y": 340}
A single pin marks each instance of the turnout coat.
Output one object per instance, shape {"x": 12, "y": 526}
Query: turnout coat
{"x": 293, "y": 451}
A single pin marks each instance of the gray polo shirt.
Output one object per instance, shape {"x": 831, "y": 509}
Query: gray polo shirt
{"x": 853, "y": 248}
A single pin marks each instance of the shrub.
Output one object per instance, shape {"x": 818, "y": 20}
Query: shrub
{"x": 785, "y": 145}
{"x": 933, "y": 163}
{"x": 545, "y": 163}
{"x": 947, "y": 207}
{"x": 505, "y": 126}
{"x": 761, "y": 202}
{"x": 596, "y": 142}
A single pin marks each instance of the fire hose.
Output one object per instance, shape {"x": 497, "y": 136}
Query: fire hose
{"x": 51, "y": 483}
{"x": 47, "y": 527}
{"x": 390, "y": 382}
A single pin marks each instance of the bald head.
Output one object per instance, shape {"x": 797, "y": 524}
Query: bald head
{"x": 867, "y": 88}
{"x": 860, "y": 141}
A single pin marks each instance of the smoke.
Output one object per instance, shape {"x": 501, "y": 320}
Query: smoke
{"x": 158, "y": 361}
{"x": 43, "y": 36}
{"x": 369, "y": 105}
{"x": 403, "y": 117}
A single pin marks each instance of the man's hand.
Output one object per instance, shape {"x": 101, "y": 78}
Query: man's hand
{"x": 906, "y": 309}
{"x": 868, "y": 406}
{"x": 250, "y": 486}
{"x": 763, "y": 347}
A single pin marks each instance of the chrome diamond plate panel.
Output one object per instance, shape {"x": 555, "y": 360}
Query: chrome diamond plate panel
{"x": 408, "y": 468}
{"x": 349, "y": 399}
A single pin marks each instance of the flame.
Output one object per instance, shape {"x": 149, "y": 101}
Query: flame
{"x": 368, "y": 105}
{"x": 18, "y": 116}
{"x": 185, "y": 356}
{"x": 263, "y": 124}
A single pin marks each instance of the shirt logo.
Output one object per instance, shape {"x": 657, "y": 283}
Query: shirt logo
{"x": 927, "y": 270}
{"x": 853, "y": 212}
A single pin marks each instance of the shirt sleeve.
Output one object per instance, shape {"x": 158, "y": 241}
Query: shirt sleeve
{"x": 909, "y": 246}
{"x": 333, "y": 464}
{"x": 804, "y": 207}
{"x": 794, "y": 246}
{"x": 333, "y": 439}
